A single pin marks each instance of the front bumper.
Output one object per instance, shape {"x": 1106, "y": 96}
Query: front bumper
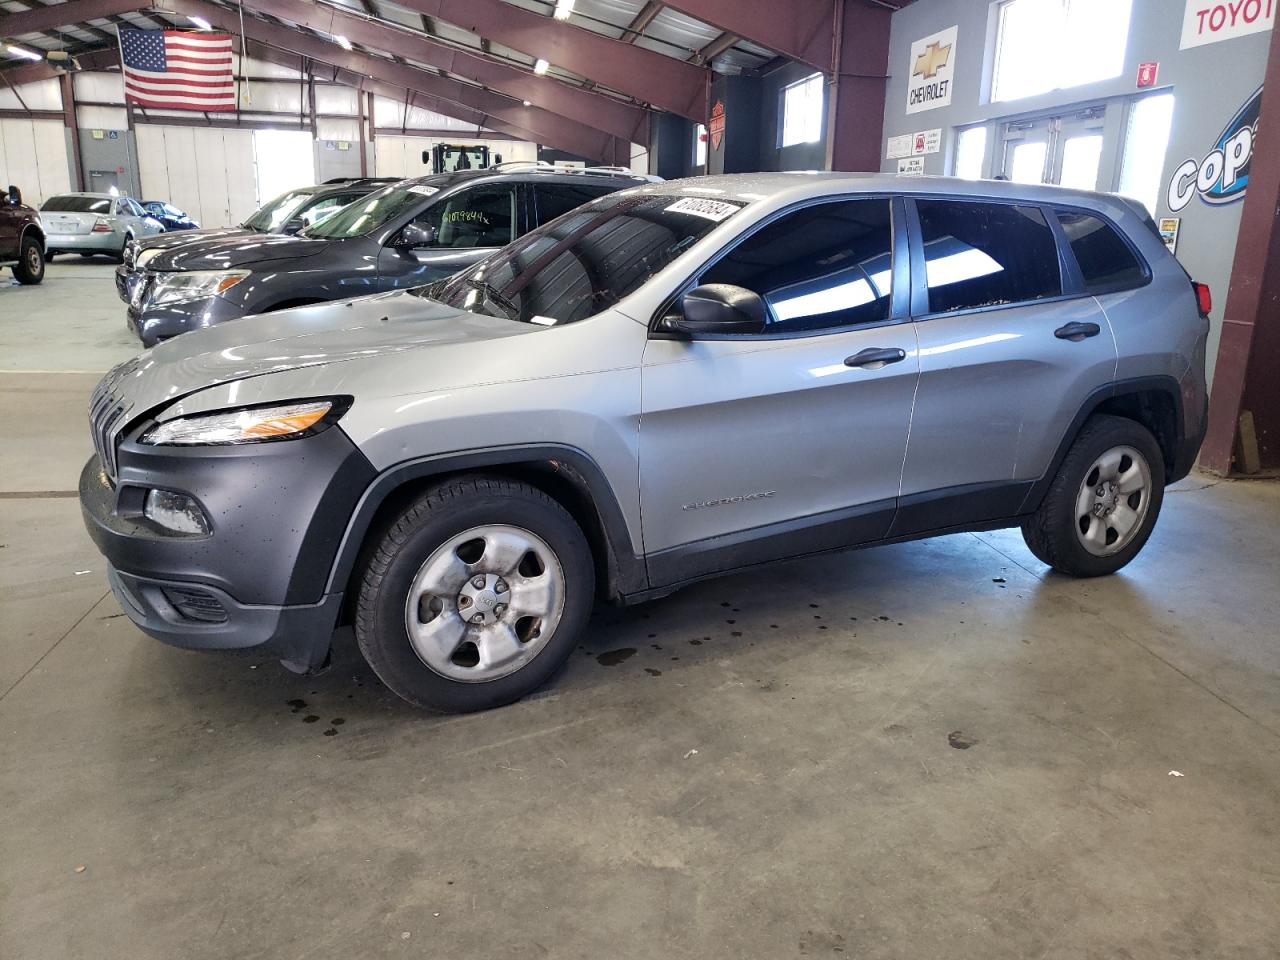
{"x": 111, "y": 243}
{"x": 152, "y": 324}
{"x": 277, "y": 511}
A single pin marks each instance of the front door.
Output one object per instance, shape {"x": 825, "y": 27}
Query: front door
{"x": 465, "y": 227}
{"x": 1065, "y": 150}
{"x": 791, "y": 441}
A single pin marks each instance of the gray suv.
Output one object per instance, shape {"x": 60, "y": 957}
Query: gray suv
{"x": 674, "y": 381}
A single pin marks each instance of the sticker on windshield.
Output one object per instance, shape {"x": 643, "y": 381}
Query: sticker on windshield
{"x": 424, "y": 190}
{"x": 715, "y": 210}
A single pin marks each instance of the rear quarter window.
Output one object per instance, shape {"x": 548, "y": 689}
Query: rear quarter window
{"x": 1106, "y": 262}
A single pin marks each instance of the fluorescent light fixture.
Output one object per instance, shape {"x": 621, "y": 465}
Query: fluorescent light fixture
{"x": 24, "y": 52}
{"x": 563, "y": 9}
{"x": 342, "y": 41}
{"x": 527, "y": 103}
{"x": 540, "y": 67}
{"x": 201, "y": 22}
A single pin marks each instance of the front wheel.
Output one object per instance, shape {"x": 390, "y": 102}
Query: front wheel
{"x": 30, "y": 266}
{"x": 1103, "y": 504}
{"x": 474, "y": 595}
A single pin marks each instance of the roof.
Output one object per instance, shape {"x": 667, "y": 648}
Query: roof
{"x": 805, "y": 184}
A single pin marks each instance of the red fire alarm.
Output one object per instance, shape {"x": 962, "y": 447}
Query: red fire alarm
{"x": 1147, "y": 73}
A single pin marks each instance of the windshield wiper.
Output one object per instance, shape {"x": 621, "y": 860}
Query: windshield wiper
{"x": 492, "y": 292}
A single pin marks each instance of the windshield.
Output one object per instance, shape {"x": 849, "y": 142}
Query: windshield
{"x": 272, "y": 217}
{"x": 584, "y": 262}
{"x": 359, "y": 218}
{"x": 77, "y": 205}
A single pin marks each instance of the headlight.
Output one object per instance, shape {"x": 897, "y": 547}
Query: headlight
{"x": 193, "y": 284}
{"x": 145, "y": 257}
{"x": 249, "y": 425}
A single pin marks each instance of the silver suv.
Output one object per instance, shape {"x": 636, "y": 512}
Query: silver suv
{"x": 674, "y": 381}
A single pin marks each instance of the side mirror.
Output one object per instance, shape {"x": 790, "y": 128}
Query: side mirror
{"x": 414, "y": 235}
{"x": 14, "y": 196}
{"x": 720, "y": 308}
{"x": 294, "y": 225}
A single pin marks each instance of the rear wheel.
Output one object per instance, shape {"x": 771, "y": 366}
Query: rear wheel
{"x": 30, "y": 266}
{"x": 475, "y": 595}
{"x": 1103, "y": 504}
{"x": 87, "y": 254}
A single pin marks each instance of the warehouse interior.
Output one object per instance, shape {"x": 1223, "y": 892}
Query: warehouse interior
{"x": 936, "y": 747}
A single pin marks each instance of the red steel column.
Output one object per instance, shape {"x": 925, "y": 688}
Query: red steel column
{"x": 856, "y": 94}
{"x": 1245, "y": 377}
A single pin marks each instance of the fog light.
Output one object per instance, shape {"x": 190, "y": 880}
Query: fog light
{"x": 176, "y": 512}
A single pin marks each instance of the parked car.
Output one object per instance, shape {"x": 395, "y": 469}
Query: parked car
{"x": 773, "y": 365}
{"x": 286, "y": 214}
{"x": 94, "y": 223}
{"x": 21, "y": 238}
{"x": 170, "y": 217}
{"x": 407, "y": 234}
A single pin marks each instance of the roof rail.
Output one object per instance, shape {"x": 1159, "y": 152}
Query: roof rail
{"x": 562, "y": 167}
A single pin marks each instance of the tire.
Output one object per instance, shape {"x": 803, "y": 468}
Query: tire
{"x": 29, "y": 269}
{"x": 49, "y": 255}
{"x": 87, "y": 255}
{"x": 446, "y": 557}
{"x": 1103, "y": 503}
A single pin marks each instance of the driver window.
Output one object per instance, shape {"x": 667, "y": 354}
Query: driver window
{"x": 825, "y": 266}
{"x": 483, "y": 216}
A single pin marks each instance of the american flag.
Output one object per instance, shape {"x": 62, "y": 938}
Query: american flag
{"x": 177, "y": 70}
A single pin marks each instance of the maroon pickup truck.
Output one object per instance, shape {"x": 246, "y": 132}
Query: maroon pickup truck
{"x": 21, "y": 238}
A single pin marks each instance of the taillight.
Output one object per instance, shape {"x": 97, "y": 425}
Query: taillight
{"x": 1204, "y": 300}
{"x": 101, "y": 226}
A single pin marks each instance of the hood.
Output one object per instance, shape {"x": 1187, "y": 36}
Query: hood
{"x": 236, "y": 250}
{"x": 329, "y": 333}
{"x": 164, "y": 241}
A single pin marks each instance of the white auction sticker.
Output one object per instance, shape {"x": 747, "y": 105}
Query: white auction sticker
{"x": 716, "y": 210}
{"x": 423, "y": 189}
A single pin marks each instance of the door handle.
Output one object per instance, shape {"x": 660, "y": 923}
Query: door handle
{"x": 1075, "y": 332}
{"x": 873, "y": 358}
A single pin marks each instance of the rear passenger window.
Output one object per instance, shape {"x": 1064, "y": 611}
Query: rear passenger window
{"x": 1105, "y": 259}
{"x": 829, "y": 265}
{"x": 985, "y": 254}
{"x": 554, "y": 199}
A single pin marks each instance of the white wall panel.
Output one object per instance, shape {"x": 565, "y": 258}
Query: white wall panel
{"x": 98, "y": 87}
{"x": 43, "y": 95}
{"x": 102, "y": 118}
{"x": 33, "y": 157}
{"x": 331, "y": 98}
{"x": 207, "y": 172}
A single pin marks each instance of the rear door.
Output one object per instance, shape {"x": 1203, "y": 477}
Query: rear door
{"x": 467, "y": 226}
{"x": 787, "y": 442}
{"x": 1010, "y": 347}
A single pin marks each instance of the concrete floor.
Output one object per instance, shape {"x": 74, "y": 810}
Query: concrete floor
{"x": 925, "y": 750}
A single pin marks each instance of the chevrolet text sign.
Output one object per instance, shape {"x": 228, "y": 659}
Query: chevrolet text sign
{"x": 930, "y": 71}
{"x": 1208, "y": 21}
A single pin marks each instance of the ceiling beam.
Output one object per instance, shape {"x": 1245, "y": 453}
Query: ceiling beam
{"x": 667, "y": 83}
{"x": 800, "y": 29}
{"x": 529, "y": 123}
{"x": 40, "y": 19}
{"x": 642, "y": 19}
{"x": 716, "y": 47}
{"x": 596, "y": 110}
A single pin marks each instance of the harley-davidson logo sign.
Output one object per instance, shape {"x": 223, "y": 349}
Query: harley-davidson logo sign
{"x": 716, "y": 126}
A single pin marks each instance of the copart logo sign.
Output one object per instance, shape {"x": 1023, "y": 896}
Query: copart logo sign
{"x": 1223, "y": 174}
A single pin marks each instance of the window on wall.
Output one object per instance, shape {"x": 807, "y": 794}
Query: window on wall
{"x": 802, "y": 105}
{"x": 1044, "y": 45}
{"x": 700, "y": 145}
{"x": 1145, "y": 144}
{"x": 971, "y": 151}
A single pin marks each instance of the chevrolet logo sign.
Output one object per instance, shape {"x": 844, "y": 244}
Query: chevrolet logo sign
{"x": 933, "y": 59}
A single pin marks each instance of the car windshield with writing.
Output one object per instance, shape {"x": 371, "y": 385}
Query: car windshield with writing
{"x": 585, "y": 261}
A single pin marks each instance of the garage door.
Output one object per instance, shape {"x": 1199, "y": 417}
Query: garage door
{"x": 207, "y": 173}
{"x": 38, "y": 173}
